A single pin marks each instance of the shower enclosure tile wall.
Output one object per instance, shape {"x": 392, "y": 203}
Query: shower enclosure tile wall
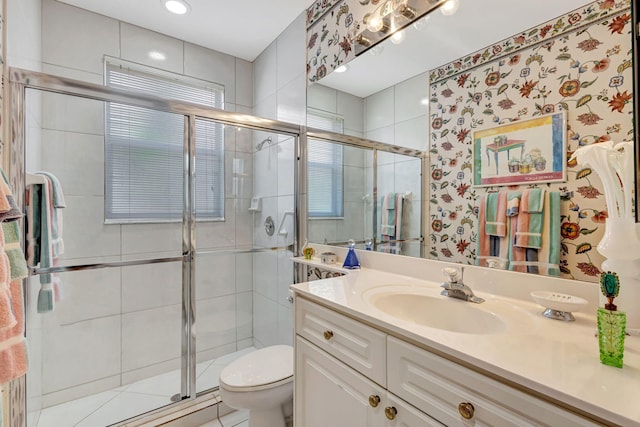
{"x": 119, "y": 325}
{"x": 279, "y": 88}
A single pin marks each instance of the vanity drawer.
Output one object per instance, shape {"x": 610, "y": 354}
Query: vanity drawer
{"x": 358, "y": 345}
{"x": 438, "y": 386}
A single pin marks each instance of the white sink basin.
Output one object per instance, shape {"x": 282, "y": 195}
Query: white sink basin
{"x": 424, "y": 306}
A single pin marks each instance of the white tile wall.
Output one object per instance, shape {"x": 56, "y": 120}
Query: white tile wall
{"x": 145, "y": 287}
{"x": 215, "y": 275}
{"x": 244, "y": 83}
{"x": 216, "y": 325}
{"x": 410, "y": 97}
{"x": 413, "y": 133}
{"x": 291, "y": 49}
{"x": 136, "y": 43}
{"x": 322, "y": 98}
{"x": 77, "y": 39}
{"x": 211, "y": 66}
{"x": 150, "y": 336}
{"x": 379, "y": 109}
{"x": 80, "y": 353}
{"x": 71, "y": 154}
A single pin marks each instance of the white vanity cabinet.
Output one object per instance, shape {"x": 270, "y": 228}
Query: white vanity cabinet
{"x": 351, "y": 374}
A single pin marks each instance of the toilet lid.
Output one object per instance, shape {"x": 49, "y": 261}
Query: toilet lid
{"x": 265, "y": 366}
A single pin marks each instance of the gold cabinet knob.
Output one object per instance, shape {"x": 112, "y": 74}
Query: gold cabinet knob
{"x": 390, "y": 412}
{"x": 328, "y": 335}
{"x": 374, "y": 400}
{"x": 466, "y": 409}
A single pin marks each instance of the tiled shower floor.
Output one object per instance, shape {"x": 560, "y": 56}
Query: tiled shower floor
{"x": 112, "y": 406}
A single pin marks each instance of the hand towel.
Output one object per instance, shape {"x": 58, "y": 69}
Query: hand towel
{"x": 45, "y": 295}
{"x": 57, "y": 203}
{"x": 13, "y": 349}
{"x": 532, "y": 200}
{"x": 7, "y": 316}
{"x": 513, "y": 203}
{"x": 388, "y": 215}
{"x": 13, "y": 346}
{"x": 12, "y": 249}
{"x": 6, "y": 194}
{"x": 546, "y": 259}
{"x": 496, "y": 214}
{"x": 491, "y": 250}
{"x": 530, "y": 219}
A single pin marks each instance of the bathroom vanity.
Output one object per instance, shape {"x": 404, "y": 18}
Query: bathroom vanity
{"x": 377, "y": 348}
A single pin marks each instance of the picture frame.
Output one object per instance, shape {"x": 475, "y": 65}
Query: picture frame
{"x": 521, "y": 152}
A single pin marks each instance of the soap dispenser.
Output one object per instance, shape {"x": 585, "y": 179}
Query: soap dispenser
{"x": 351, "y": 260}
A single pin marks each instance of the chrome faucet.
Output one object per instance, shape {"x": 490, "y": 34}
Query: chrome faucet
{"x": 455, "y": 288}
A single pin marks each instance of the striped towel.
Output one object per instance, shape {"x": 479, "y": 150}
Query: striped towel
{"x": 492, "y": 251}
{"x": 496, "y": 214}
{"x": 546, "y": 259}
{"x": 528, "y": 233}
{"x": 9, "y": 210}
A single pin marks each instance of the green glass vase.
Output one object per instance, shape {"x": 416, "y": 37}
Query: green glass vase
{"x": 611, "y": 331}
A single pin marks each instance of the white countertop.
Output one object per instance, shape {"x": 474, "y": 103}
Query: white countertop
{"x": 557, "y": 359}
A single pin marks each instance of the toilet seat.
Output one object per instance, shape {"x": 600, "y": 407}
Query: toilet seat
{"x": 265, "y": 368}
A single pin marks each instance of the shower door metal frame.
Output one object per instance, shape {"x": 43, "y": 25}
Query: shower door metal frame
{"x": 375, "y": 147}
{"x": 21, "y": 80}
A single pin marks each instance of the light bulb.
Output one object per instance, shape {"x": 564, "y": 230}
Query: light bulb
{"x": 398, "y": 37}
{"x": 450, "y": 7}
{"x": 374, "y": 23}
{"x": 342, "y": 68}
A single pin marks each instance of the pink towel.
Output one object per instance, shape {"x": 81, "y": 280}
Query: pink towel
{"x": 13, "y": 349}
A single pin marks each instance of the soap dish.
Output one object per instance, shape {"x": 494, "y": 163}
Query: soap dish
{"x": 558, "y": 306}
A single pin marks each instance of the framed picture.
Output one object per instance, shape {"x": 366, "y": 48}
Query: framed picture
{"x": 522, "y": 152}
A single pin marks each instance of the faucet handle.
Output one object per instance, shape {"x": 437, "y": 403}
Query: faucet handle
{"x": 453, "y": 274}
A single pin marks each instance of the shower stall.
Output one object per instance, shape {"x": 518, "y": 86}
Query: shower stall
{"x": 168, "y": 270}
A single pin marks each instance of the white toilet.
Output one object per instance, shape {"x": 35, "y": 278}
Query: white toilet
{"x": 262, "y": 383}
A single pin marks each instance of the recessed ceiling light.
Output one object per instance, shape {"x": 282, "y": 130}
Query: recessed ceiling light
{"x": 179, "y": 7}
{"x": 342, "y": 68}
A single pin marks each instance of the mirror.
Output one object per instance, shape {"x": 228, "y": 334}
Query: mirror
{"x": 580, "y": 63}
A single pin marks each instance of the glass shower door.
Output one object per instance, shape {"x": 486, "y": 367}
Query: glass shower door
{"x": 109, "y": 345}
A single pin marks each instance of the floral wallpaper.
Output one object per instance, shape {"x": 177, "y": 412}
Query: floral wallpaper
{"x": 585, "y": 70}
{"x": 318, "y": 9}
{"x": 330, "y": 39}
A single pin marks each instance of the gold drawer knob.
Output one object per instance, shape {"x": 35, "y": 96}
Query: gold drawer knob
{"x": 390, "y": 412}
{"x": 374, "y": 400}
{"x": 466, "y": 409}
{"x": 328, "y": 335}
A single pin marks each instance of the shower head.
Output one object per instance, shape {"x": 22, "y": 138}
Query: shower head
{"x": 265, "y": 141}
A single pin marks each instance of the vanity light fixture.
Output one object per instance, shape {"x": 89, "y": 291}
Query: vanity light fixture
{"x": 342, "y": 68}
{"x": 450, "y": 7}
{"x": 398, "y": 37}
{"x": 179, "y": 7}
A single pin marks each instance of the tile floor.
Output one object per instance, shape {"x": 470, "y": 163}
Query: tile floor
{"x": 234, "y": 419}
{"x": 115, "y": 405}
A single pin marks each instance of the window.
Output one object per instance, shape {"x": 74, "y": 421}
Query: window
{"x": 325, "y": 161}
{"x": 144, "y": 150}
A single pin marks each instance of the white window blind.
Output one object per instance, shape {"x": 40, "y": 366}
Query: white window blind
{"x": 325, "y": 162}
{"x": 144, "y": 160}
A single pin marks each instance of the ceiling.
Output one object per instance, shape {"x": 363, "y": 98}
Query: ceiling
{"x": 245, "y": 28}
{"x": 241, "y": 28}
